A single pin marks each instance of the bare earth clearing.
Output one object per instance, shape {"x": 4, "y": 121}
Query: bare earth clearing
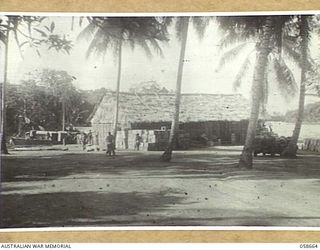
{"x": 198, "y": 188}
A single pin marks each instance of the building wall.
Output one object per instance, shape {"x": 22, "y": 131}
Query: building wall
{"x": 214, "y": 130}
{"x": 101, "y": 132}
{"x": 226, "y": 132}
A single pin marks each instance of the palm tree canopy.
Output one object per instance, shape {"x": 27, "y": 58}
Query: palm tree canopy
{"x": 107, "y": 32}
{"x": 200, "y": 24}
{"x": 245, "y": 29}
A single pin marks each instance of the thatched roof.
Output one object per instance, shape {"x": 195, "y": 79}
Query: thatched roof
{"x": 159, "y": 108}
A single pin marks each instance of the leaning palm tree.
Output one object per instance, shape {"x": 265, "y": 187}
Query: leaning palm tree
{"x": 182, "y": 25}
{"x": 253, "y": 26}
{"x": 304, "y": 30}
{"x": 277, "y": 67}
{"x": 272, "y": 23}
{"x": 257, "y": 91}
{"x": 112, "y": 33}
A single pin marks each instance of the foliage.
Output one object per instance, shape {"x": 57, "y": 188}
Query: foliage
{"x": 106, "y": 33}
{"x": 38, "y": 98}
{"x": 286, "y": 40}
{"x": 311, "y": 113}
{"x": 30, "y": 30}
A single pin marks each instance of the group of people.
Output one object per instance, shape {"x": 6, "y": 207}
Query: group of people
{"x": 88, "y": 140}
{"x": 110, "y": 141}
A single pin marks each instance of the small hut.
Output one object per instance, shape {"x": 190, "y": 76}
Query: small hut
{"x": 217, "y": 117}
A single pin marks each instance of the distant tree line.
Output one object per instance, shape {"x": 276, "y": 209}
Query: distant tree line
{"x": 38, "y": 101}
{"x": 311, "y": 113}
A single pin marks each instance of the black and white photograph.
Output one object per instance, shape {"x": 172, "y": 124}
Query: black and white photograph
{"x": 160, "y": 120}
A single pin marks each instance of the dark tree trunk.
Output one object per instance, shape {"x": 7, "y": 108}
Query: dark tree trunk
{"x": 167, "y": 155}
{"x": 4, "y": 149}
{"x": 246, "y": 159}
{"x": 63, "y": 119}
{"x": 291, "y": 149}
{"x": 116, "y": 113}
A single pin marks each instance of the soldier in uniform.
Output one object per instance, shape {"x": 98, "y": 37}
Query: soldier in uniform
{"x": 110, "y": 144}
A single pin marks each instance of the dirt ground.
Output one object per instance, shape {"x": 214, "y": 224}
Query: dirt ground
{"x": 198, "y": 188}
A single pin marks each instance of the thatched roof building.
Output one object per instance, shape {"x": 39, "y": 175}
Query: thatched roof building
{"x": 137, "y": 108}
{"x": 214, "y": 114}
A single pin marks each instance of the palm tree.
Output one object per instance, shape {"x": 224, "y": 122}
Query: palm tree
{"x": 166, "y": 156}
{"x": 284, "y": 41}
{"x": 251, "y": 27}
{"x": 291, "y": 37}
{"x": 257, "y": 91}
{"x": 276, "y": 64}
{"x": 182, "y": 25}
{"x": 304, "y": 29}
{"x": 115, "y": 32}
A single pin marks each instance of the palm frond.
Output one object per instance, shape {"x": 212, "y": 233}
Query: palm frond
{"x": 88, "y": 32}
{"x": 230, "y": 55}
{"x": 246, "y": 26}
{"x": 291, "y": 47}
{"x": 200, "y": 24}
{"x": 291, "y": 50}
{"x": 156, "y": 46}
{"x": 285, "y": 79}
{"x": 179, "y": 27}
{"x": 2, "y": 37}
{"x": 232, "y": 37}
{"x": 144, "y": 45}
{"x": 99, "y": 44}
{"x": 132, "y": 44}
{"x": 106, "y": 32}
{"x": 241, "y": 73}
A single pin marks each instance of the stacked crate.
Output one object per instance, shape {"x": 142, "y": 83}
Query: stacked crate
{"x": 158, "y": 140}
{"x": 121, "y": 140}
{"x": 311, "y": 144}
{"x": 132, "y": 138}
{"x": 152, "y": 140}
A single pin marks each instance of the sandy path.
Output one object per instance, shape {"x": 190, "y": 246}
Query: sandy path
{"x": 196, "y": 188}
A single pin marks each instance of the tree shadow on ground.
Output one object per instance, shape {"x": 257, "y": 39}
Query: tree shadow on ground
{"x": 67, "y": 209}
{"x": 186, "y": 164}
{"x": 80, "y": 208}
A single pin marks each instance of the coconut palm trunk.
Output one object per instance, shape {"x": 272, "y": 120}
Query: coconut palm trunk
{"x": 291, "y": 149}
{"x": 167, "y": 155}
{"x": 3, "y": 146}
{"x": 246, "y": 159}
{"x": 63, "y": 119}
{"x": 116, "y": 112}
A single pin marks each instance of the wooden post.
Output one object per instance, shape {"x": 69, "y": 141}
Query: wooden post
{"x": 3, "y": 146}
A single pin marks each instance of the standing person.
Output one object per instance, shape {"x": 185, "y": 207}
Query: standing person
{"x": 110, "y": 144}
{"x": 83, "y": 140}
{"x": 90, "y": 142}
{"x": 138, "y": 141}
{"x": 48, "y": 136}
{"x": 96, "y": 141}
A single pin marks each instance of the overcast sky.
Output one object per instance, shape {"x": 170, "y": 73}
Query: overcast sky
{"x": 200, "y": 75}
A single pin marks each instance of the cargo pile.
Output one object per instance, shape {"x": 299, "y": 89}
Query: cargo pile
{"x": 310, "y": 144}
{"x": 151, "y": 140}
